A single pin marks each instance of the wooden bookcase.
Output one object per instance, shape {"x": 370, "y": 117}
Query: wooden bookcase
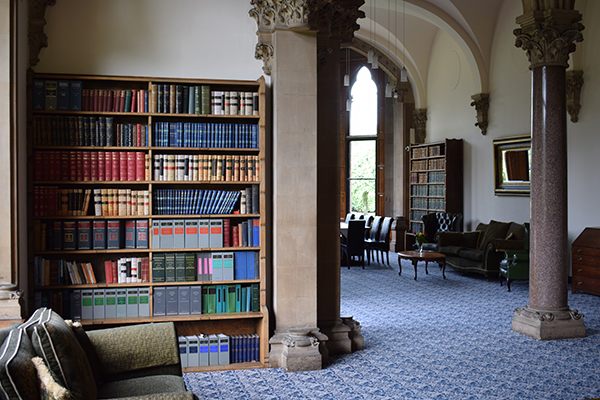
{"x": 435, "y": 180}
{"x": 53, "y": 134}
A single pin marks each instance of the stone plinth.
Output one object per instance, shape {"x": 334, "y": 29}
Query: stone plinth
{"x": 548, "y": 324}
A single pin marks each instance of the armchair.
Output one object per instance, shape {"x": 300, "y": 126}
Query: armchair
{"x": 516, "y": 262}
{"x": 435, "y": 223}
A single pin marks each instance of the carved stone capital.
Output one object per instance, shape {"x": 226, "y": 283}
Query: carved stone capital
{"x": 574, "y": 84}
{"x": 420, "y": 123}
{"x": 36, "y": 38}
{"x": 549, "y": 36}
{"x": 481, "y": 102}
{"x": 271, "y": 15}
{"x": 297, "y": 349}
{"x": 548, "y": 324}
{"x": 343, "y": 17}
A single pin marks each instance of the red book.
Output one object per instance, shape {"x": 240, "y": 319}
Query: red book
{"x": 111, "y": 95}
{"x": 85, "y": 100}
{"x": 52, "y": 200}
{"x": 94, "y": 166}
{"x": 51, "y": 165}
{"x": 64, "y": 166}
{"x": 44, "y": 203}
{"x": 95, "y": 99}
{"x": 85, "y": 166}
{"x": 145, "y": 269}
{"x": 37, "y": 200}
{"x": 138, "y": 135}
{"x": 131, "y": 166}
{"x": 140, "y": 166}
{"x": 108, "y": 271}
{"x": 122, "y": 101}
{"x": 108, "y": 166}
{"x": 133, "y": 100}
{"x": 235, "y": 232}
{"x": 116, "y": 160}
{"x": 115, "y": 271}
{"x": 73, "y": 165}
{"x": 226, "y": 232}
{"x": 105, "y": 100}
{"x": 79, "y": 165}
{"x": 101, "y": 165}
{"x": 38, "y": 163}
{"x": 123, "y": 166}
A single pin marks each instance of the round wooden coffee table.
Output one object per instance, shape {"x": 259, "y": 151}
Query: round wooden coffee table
{"x": 427, "y": 256}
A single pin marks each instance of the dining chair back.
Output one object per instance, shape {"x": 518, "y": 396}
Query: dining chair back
{"x": 354, "y": 246}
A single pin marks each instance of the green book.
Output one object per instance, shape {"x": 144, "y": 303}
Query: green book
{"x": 190, "y": 267}
{"x": 180, "y": 272}
{"x": 204, "y": 294}
{"x": 211, "y": 299}
{"x": 127, "y": 100}
{"x": 205, "y": 104}
{"x": 158, "y": 267}
{"x": 255, "y": 297}
{"x": 197, "y": 101}
{"x": 231, "y": 297}
{"x": 170, "y": 267}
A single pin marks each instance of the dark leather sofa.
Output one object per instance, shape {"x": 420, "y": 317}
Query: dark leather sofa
{"x": 482, "y": 250}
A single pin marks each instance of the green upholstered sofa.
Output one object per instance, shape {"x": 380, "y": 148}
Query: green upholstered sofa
{"x": 482, "y": 250}
{"x": 47, "y": 357}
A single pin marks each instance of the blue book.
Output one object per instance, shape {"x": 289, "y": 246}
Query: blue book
{"x": 84, "y": 235}
{"x": 256, "y": 232}
{"x": 251, "y": 262}
{"x": 63, "y": 95}
{"x": 129, "y": 234}
{"x": 239, "y": 259}
{"x": 75, "y": 91}
{"x": 141, "y": 234}
{"x": 39, "y": 94}
{"x": 113, "y": 232}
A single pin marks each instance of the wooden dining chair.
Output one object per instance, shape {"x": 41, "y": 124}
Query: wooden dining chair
{"x": 355, "y": 245}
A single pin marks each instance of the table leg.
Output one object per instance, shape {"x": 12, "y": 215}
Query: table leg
{"x": 426, "y": 272}
{"x": 415, "y": 265}
{"x": 400, "y": 265}
{"x": 444, "y": 269}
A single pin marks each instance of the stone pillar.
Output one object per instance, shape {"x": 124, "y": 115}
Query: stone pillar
{"x": 336, "y": 21}
{"x": 548, "y": 35}
{"x": 420, "y": 124}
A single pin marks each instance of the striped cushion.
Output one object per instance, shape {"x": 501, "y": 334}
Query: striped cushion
{"x": 18, "y": 379}
{"x": 54, "y": 341}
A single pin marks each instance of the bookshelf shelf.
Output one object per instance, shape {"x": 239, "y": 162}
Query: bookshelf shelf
{"x": 77, "y": 157}
{"x": 436, "y": 180}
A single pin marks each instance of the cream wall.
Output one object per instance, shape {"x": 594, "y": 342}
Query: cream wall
{"x": 183, "y": 38}
{"x": 450, "y": 115}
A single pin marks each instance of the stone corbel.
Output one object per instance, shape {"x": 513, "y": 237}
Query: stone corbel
{"x": 420, "y": 123}
{"x": 37, "y": 39}
{"x": 574, "y": 84}
{"x": 264, "y": 52}
{"x": 481, "y": 102}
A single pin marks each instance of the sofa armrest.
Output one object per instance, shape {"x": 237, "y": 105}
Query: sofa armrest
{"x": 135, "y": 347}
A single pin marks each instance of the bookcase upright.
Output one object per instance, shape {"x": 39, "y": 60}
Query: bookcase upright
{"x": 435, "y": 180}
{"x": 146, "y": 203}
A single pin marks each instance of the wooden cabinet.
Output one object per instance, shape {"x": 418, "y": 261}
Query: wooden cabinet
{"x": 435, "y": 180}
{"x": 586, "y": 262}
{"x": 181, "y": 172}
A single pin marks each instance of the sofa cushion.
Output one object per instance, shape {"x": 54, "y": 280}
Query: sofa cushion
{"x": 495, "y": 230}
{"x": 451, "y": 250}
{"x": 18, "y": 379}
{"x": 55, "y": 342}
{"x": 146, "y": 385}
{"x": 470, "y": 239}
{"x": 515, "y": 232}
{"x": 49, "y": 389}
{"x": 471, "y": 254}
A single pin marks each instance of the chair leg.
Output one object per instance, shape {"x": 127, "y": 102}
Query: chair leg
{"x": 508, "y": 281}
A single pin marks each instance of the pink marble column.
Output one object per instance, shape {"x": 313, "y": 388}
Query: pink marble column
{"x": 548, "y": 35}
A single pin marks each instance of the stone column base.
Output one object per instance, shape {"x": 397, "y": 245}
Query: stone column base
{"x": 548, "y": 324}
{"x": 355, "y": 335}
{"x": 338, "y": 334}
{"x": 297, "y": 349}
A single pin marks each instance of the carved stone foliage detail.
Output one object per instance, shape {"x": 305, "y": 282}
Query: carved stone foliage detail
{"x": 548, "y": 316}
{"x": 420, "y": 123}
{"x": 37, "y": 39}
{"x": 574, "y": 84}
{"x": 548, "y": 37}
{"x": 277, "y": 14}
{"x": 481, "y": 102}
{"x": 264, "y": 52}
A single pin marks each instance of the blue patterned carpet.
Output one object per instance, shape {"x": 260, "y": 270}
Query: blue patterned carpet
{"x": 432, "y": 339}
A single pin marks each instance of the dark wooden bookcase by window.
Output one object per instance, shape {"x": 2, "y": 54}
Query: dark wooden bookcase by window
{"x": 435, "y": 180}
{"x": 54, "y": 135}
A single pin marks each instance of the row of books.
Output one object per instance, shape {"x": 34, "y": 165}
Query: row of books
{"x": 437, "y": 176}
{"x": 55, "y": 201}
{"x": 127, "y": 270}
{"x": 418, "y": 177}
{"x": 218, "y": 349}
{"x": 96, "y": 303}
{"x": 121, "y": 202}
{"x": 119, "y": 100}
{"x": 206, "y": 135}
{"x": 56, "y": 272}
{"x": 205, "y": 299}
{"x": 181, "y": 99}
{"x": 62, "y": 130}
{"x": 204, "y": 233}
{"x": 206, "y": 167}
{"x": 438, "y": 163}
{"x": 194, "y": 201}
{"x": 57, "y": 95}
{"x": 437, "y": 204}
{"x": 204, "y": 266}
{"x": 418, "y": 190}
{"x": 87, "y": 235}
{"x": 91, "y": 166}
